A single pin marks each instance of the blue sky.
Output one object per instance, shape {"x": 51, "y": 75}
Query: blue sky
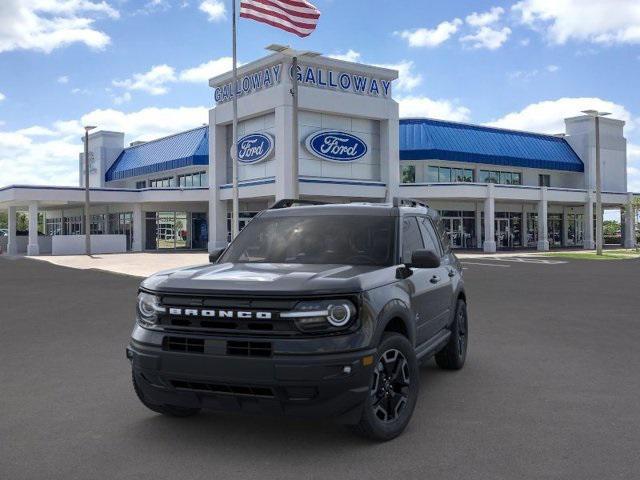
{"x": 141, "y": 66}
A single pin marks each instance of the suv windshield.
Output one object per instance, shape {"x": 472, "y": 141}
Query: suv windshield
{"x": 321, "y": 239}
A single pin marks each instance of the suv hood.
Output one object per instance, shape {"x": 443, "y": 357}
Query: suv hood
{"x": 270, "y": 279}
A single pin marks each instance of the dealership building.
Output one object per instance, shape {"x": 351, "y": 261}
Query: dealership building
{"x": 495, "y": 189}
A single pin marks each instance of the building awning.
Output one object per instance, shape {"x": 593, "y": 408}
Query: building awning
{"x": 183, "y": 149}
{"x": 427, "y": 139}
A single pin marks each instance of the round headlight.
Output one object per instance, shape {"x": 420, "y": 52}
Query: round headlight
{"x": 339, "y": 315}
{"x": 148, "y": 308}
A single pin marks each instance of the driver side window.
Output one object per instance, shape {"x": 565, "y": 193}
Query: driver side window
{"x": 411, "y": 238}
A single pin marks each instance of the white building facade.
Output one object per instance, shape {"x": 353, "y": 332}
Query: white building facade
{"x": 495, "y": 189}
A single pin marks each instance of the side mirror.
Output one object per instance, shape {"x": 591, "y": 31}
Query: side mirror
{"x": 424, "y": 259}
{"x": 215, "y": 255}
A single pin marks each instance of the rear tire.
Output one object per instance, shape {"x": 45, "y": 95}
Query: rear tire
{"x": 393, "y": 392}
{"x": 454, "y": 354}
{"x": 169, "y": 410}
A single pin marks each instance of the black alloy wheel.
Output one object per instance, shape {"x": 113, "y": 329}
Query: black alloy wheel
{"x": 390, "y": 388}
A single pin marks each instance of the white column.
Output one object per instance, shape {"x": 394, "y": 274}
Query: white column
{"x": 390, "y": 154}
{"x": 218, "y": 209}
{"x": 629, "y": 224}
{"x": 284, "y": 156}
{"x": 589, "y": 242}
{"x": 489, "y": 245}
{"x": 138, "y": 223}
{"x": 543, "y": 237}
{"x": 32, "y": 246}
{"x": 478, "y": 225}
{"x": 12, "y": 246}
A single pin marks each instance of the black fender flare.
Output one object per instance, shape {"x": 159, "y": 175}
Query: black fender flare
{"x": 395, "y": 309}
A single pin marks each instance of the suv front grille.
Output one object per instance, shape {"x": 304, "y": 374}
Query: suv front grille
{"x": 249, "y": 349}
{"x": 273, "y": 326}
{"x": 180, "y": 344}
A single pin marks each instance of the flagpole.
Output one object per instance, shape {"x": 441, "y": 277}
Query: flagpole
{"x": 234, "y": 148}
{"x": 294, "y": 129}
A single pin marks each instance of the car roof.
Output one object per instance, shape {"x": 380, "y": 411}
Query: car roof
{"x": 372, "y": 209}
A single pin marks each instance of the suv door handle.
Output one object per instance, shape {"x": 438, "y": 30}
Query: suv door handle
{"x": 435, "y": 279}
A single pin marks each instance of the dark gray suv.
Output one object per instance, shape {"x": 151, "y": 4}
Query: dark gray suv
{"x": 313, "y": 310}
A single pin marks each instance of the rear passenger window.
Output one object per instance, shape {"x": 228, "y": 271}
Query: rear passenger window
{"x": 411, "y": 238}
{"x": 430, "y": 237}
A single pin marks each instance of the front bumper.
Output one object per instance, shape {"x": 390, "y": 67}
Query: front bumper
{"x": 311, "y": 385}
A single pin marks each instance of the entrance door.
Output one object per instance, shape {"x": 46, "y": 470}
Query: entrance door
{"x": 504, "y": 237}
{"x": 456, "y": 234}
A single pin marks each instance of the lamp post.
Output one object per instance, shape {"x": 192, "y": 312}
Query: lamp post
{"x": 87, "y": 217}
{"x": 596, "y": 114}
{"x": 295, "y": 146}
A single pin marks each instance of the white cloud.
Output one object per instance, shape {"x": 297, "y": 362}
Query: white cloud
{"x": 203, "y": 72}
{"x": 120, "y": 99}
{"x": 45, "y": 25}
{"x": 154, "y": 81}
{"x": 487, "y": 37}
{"x": 424, "y": 37}
{"x": 63, "y": 79}
{"x": 214, "y": 9}
{"x": 595, "y": 21}
{"x": 349, "y": 56}
{"x": 420, "y": 106}
{"x": 552, "y": 68}
{"x": 527, "y": 75}
{"x": 486, "y": 18}
{"x": 525, "y": 42}
{"x": 49, "y": 155}
{"x": 2, "y": 96}
{"x": 407, "y": 78}
{"x": 548, "y": 116}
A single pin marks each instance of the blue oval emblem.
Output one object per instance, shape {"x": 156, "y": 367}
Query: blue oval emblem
{"x": 255, "y": 147}
{"x": 336, "y": 146}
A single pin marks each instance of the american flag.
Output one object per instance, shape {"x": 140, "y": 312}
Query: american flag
{"x": 294, "y": 16}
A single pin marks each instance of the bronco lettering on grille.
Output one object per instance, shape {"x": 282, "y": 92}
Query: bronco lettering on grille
{"x": 239, "y": 314}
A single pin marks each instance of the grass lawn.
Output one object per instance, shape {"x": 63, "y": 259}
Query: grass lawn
{"x": 618, "y": 254}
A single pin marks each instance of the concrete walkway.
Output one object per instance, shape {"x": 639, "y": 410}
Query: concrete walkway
{"x": 136, "y": 264}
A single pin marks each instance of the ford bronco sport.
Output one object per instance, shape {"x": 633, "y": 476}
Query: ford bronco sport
{"x": 313, "y": 310}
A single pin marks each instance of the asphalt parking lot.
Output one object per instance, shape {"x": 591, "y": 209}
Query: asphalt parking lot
{"x": 551, "y": 388}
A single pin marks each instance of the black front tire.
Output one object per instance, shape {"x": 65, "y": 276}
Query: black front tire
{"x": 169, "y": 410}
{"x": 395, "y": 359}
{"x": 454, "y": 354}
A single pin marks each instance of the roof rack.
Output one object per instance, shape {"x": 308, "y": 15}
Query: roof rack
{"x": 294, "y": 202}
{"x": 408, "y": 202}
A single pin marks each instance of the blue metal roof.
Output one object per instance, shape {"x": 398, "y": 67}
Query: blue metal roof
{"x": 427, "y": 139}
{"x": 183, "y": 149}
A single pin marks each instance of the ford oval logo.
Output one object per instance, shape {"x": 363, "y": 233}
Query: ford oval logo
{"x": 255, "y": 147}
{"x": 336, "y": 146}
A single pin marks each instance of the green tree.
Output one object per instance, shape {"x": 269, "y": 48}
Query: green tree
{"x": 3, "y": 220}
{"x": 610, "y": 228}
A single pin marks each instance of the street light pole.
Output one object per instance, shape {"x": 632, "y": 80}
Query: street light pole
{"x": 87, "y": 217}
{"x": 599, "y": 237}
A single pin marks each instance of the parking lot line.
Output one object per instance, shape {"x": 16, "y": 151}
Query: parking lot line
{"x": 485, "y": 264}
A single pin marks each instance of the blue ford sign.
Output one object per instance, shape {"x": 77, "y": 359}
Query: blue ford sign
{"x": 336, "y": 146}
{"x": 255, "y": 147}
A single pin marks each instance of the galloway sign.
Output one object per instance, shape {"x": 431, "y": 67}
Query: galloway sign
{"x": 255, "y": 148}
{"x": 248, "y": 84}
{"x": 331, "y": 79}
{"x": 336, "y": 146}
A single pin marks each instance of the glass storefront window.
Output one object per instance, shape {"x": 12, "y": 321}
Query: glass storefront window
{"x": 554, "y": 229}
{"x": 409, "y": 174}
{"x": 504, "y": 178}
{"x": 176, "y": 230}
{"x": 432, "y": 174}
{"x": 460, "y": 228}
